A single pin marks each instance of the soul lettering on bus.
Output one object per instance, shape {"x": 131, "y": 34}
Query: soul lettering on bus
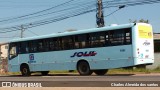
{"x": 84, "y": 54}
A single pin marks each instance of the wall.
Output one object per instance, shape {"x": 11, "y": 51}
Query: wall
{"x": 156, "y": 63}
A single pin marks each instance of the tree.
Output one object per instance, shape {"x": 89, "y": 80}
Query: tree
{"x": 139, "y": 21}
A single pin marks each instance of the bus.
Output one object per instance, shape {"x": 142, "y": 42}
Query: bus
{"x": 92, "y": 50}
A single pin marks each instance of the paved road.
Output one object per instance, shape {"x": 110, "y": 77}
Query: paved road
{"x": 75, "y": 77}
{"x": 69, "y": 80}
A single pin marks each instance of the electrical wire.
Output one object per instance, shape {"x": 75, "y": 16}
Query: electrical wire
{"x": 32, "y": 32}
{"x": 76, "y": 12}
{"x": 70, "y": 5}
{"x": 37, "y": 12}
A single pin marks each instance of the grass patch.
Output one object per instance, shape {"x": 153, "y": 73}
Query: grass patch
{"x": 111, "y": 71}
{"x": 10, "y": 73}
{"x": 134, "y": 71}
{"x": 38, "y": 73}
{"x": 129, "y": 71}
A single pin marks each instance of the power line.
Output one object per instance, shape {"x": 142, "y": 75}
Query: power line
{"x": 129, "y": 3}
{"x": 68, "y": 7}
{"x": 56, "y": 18}
{"x": 120, "y": 7}
{"x": 110, "y": 4}
{"x": 79, "y": 11}
{"x": 37, "y": 12}
{"x": 32, "y": 32}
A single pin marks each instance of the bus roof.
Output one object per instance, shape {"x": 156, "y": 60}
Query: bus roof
{"x": 73, "y": 32}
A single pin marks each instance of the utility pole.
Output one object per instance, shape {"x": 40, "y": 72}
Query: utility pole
{"x": 22, "y": 30}
{"x": 99, "y": 15}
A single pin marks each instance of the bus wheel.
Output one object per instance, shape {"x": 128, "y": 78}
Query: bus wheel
{"x": 25, "y": 70}
{"x": 44, "y": 73}
{"x": 101, "y": 72}
{"x": 83, "y": 68}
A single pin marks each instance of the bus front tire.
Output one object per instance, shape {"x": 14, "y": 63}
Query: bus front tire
{"x": 83, "y": 68}
{"x": 101, "y": 72}
{"x": 44, "y": 73}
{"x": 25, "y": 70}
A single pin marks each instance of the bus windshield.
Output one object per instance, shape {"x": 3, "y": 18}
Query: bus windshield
{"x": 12, "y": 51}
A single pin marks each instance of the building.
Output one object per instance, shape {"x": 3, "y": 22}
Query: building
{"x": 156, "y": 52}
{"x": 3, "y": 51}
{"x": 3, "y": 58}
{"x": 156, "y": 36}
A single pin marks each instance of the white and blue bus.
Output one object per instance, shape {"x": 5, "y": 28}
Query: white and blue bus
{"x": 87, "y": 51}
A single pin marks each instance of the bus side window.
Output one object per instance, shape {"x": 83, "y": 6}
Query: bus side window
{"x": 83, "y": 40}
{"x": 102, "y": 39}
{"x": 46, "y": 45}
{"x": 107, "y": 39}
{"x": 23, "y": 47}
{"x": 57, "y": 43}
{"x": 67, "y": 43}
{"x": 40, "y": 45}
{"x": 19, "y": 48}
{"x": 76, "y": 42}
{"x": 51, "y": 45}
{"x": 128, "y": 36}
{"x": 116, "y": 37}
{"x": 111, "y": 37}
{"x": 33, "y": 46}
{"x": 97, "y": 39}
{"x": 54, "y": 44}
{"x": 94, "y": 39}
{"x": 27, "y": 49}
{"x": 12, "y": 51}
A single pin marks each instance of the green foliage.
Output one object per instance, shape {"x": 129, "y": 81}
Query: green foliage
{"x": 139, "y": 21}
{"x": 111, "y": 71}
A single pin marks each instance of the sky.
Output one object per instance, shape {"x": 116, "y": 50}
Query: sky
{"x": 14, "y": 8}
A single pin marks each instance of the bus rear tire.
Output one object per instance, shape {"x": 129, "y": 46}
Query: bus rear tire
{"x": 25, "y": 70}
{"x": 83, "y": 68}
{"x": 101, "y": 72}
{"x": 44, "y": 73}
